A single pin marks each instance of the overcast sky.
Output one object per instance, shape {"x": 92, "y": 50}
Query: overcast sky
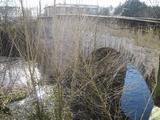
{"x": 114, "y": 3}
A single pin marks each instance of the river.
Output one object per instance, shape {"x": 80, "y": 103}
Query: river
{"x": 136, "y": 101}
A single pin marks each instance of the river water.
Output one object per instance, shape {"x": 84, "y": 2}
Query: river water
{"x": 17, "y": 72}
{"x": 136, "y": 101}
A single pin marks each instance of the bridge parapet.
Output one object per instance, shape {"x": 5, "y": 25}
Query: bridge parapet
{"x": 131, "y": 22}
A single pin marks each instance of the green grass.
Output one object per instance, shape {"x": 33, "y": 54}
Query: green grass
{"x": 7, "y": 97}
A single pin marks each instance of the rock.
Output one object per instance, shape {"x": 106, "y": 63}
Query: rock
{"x": 155, "y": 115}
{"x": 96, "y": 86}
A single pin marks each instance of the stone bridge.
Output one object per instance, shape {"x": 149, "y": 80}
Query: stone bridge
{"x": 134, "y": 22}
{"x": 68, "y": 33}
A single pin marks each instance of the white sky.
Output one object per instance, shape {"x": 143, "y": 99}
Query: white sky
{"x": 114, "y": 3}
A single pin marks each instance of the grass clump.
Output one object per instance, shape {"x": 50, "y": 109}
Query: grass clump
{"x": 11, "y": 96}
{"x": 93, "y": 87}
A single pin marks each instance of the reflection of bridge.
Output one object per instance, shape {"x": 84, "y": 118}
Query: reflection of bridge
{"x": 135, "y": 22}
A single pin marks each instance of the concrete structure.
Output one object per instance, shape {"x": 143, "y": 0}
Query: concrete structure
{"x": 74, "y": 9}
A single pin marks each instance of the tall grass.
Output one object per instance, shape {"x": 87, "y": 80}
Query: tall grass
{"x": 87, "y": 84}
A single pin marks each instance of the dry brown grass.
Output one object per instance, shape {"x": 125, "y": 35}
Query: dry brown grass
{"x": 64, "y": 44}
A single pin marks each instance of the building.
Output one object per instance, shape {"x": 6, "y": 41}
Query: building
{"x": 9, "y": 12}
{"x": 73, "y": 9}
